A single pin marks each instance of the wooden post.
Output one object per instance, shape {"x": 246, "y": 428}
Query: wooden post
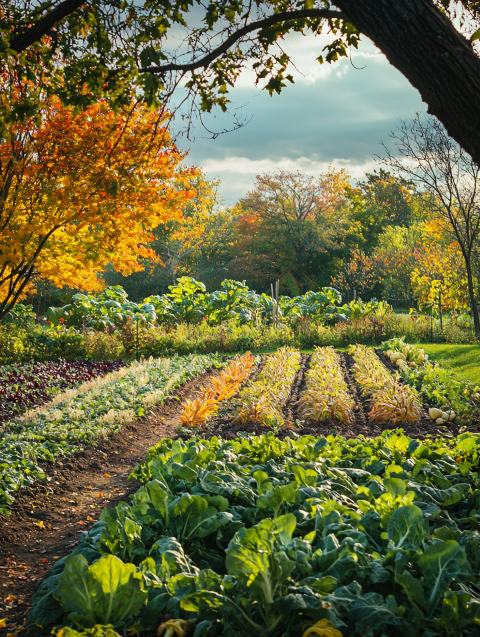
{"x": 275, "y": 296}
{"x": 440, "y": 308}
{"x": 136, "y": 349}
{"x": 273, "y": 307}
{"x": 277, "y": 290}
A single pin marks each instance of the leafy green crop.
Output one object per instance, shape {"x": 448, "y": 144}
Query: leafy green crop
{"x": 108, "y": 590}
{"x": 189, "y": 302}
{"x": 258, "y": 536}
{"x": 438, "y": 386}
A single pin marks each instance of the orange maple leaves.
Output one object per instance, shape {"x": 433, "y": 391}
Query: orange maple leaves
{"x": 222, "y": 387}
{"x": 82, "y": 190}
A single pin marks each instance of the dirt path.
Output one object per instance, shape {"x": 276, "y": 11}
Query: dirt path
{"x": 47, "y": 518}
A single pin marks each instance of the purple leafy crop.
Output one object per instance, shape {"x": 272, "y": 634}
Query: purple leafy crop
{"x": 31, "y": 384}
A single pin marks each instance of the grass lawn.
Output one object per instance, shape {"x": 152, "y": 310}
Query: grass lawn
{"x": 464, "y": 360}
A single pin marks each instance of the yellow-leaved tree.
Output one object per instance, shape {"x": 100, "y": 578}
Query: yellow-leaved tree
{"x": 81, "y": 190}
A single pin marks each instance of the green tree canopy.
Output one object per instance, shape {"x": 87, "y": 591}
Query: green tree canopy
{"x": 85, "y": 49}
{"x": 382, "y": 200}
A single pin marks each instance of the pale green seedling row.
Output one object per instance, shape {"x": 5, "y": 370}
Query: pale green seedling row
{"x": 81, "y": 416}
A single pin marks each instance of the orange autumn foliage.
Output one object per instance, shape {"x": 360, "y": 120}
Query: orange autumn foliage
{"x": 222, "y": 387}
{"x": 80, "y": 191}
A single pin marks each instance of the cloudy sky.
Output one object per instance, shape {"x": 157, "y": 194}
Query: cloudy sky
{"x": 333, "y": 114}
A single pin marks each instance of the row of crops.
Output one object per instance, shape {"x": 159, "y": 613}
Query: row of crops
{"x": 189, "y": 302}
{"x": 294, "y": 538}
{"x": 310, "y": 535}
{"x": 418, "y": 390}
{"x": 249, "y": 390}
{"x": 25, "y": 386}
{"x": 84, "y": 413}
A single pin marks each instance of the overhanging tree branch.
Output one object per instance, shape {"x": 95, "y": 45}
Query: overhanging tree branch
{"x": 253, "y": 26}
{"x": 43, "y": 26}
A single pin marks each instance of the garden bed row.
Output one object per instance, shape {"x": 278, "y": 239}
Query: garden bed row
{"x": 288, "y": 392}
{"x": 25, "y": 386}
{"x": 86, "y": 414}
{"x": 307, "y": 536}
{"x": 298, "y": 418}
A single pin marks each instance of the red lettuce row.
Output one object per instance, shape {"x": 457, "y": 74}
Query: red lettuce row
{"x": 25, "y": 386}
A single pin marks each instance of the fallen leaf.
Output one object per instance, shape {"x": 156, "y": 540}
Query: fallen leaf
{"x": 99, "y": 494}
{"x": 44, "y": 560}
{"x": 107, "y": 475}
{"x": 81, "y": 522}
{"x": 88, "y": 487}
{"x": 40, "y": 524}
{"x": 56, "y": 557}
{"x": 90, "y": 519}
{"x": 3, "y": 622}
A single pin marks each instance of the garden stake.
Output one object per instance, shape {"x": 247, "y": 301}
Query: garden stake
{"x": 136, "y": 348}
{"x": 440, "y": 308}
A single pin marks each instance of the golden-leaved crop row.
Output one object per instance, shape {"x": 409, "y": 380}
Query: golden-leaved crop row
{"x": 390, "y": 400}
{"x": 263, "y": 400}
{"x": 195, "y": 413}
{"x": 327, "y": 394}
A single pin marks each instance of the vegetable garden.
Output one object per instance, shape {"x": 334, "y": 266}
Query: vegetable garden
{"x": 331, "y": 493}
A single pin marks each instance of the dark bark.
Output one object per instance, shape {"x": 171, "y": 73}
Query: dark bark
{"x": 36, "y": 32}
{"x": 423, "y": 44}
{"x": 471, "y": 294}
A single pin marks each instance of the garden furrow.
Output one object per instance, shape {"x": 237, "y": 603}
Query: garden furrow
{"x": 297, "y": 388}
{"x": 47, "y": 517}
{"x": 81, "y": 416}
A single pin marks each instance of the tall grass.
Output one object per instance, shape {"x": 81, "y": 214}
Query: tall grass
{"x": 27, "y": 344}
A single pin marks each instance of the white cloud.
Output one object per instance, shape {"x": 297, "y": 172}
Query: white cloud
{"x": 307, "y": 165}
{"x": 238, "y": 173}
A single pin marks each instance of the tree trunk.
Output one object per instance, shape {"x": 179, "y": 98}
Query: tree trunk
{"x": 473, "y": 298}
{"x": 438, "y": 61}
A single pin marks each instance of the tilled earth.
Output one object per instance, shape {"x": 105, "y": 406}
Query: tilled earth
{"x": 47, "y": 518}
{"x": 223, "y": 426}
